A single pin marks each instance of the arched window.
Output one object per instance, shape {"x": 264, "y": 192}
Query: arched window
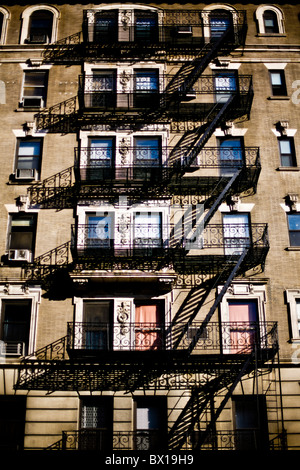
{"x": 217, "y": 19}
{"x": 39, "y": 25}
{"x": 269, "y": 20}
{"x": 4, "y": 17}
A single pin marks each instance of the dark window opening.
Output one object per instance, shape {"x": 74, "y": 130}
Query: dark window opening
{"x": 15, "y": 325}
{"x": 28, "y": 158}
{"x": 287, "y": 152}
{"x": 12, "y": 422}
{"x": 105, "y": 28}
{"x": 35, "y": 89}
{"x": 96, "y": 418}
{"x": 220, "y": 22}
{"x": 251, "y": 423}
{"x": 150, "y": 423}
{"x": 278, "y": 84}
{"x": 270, "y": 22}
{"x": 146, "y": 26}
{"x": 40, "y": 27}
{"x": 294, "y": 229}
{"x": 22, "y": 237}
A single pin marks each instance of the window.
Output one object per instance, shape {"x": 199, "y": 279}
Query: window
{"x": 149, "y": 327}
{"x": 39, "y": 24}
{"x": 293, "y": 301}
{"x": 12, "y": 422}
{"x": 298, "y": 317}
{"x": 150, "y": 423}
{"x": 100, "y": 89}
{"x": 96, "y": 325}
{"x": 146, "y": 88}
{"x": 105, "y": 27}
{"x": 40, "y": 27}
{"x": 243, "y": 326}
{"x": 251, "y": 422}
{"x": 278, "y": 83}
{"x": 15, "y": 324}
{"x": 147, "y": 231}
{"x": 287, "y": 151}
{"x": 100, "y": 230}
{"x": 4, "y": 17}
{"x": 236, "y": 233}
{"x": 225, "y": 85}
{"x": 21, "y": 237}
{"x": 220, "y": 22}
{"x": 147, "y": 151}
{"x": 270, "y": 22}
{"x": 294, "y": 229}
{"x": 101, "y": 158}
{"x": 96, "y": 418}
{"x": 146, "y": 26}
{"x": 28, "y": 158}
{"x": 34, "y": 89}
{"x": 231, "y": 153}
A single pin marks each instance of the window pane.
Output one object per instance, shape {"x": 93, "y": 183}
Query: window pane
{"x": 294, "y": 221}
{"x": 285, "y": 146}
{"x": 29, "y": 148}
{"x": 298, "y": 314}
{"x": 276, "y": 78}
{"x": 28, "y": 163}
{"x": 35, "y": 79}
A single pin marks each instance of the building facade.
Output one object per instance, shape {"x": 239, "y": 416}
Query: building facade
{"x": 150, "y": 226}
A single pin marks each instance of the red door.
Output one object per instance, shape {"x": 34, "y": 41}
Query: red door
{"x": 148, "y": 327}
{"x": 243, "y": 325}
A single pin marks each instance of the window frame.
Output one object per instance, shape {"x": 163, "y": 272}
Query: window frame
{"x": 6, "y": 17}
{"x": 44, "y": 89}
{"x": 259, "y": 14}
{"x": 26, "y": 14}
{"x": 292, "y": 297}
{"x": 35, "y": 171}
{"x": 278, "y": 90}
{"x": 291, "y": 155}
{"x": 292, "y": 230}
{"x": 11, "y": 230}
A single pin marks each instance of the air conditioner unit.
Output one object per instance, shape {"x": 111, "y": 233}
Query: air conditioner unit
{"x": 184, "y": 30}
{"x": 19, "y": 255}
{"x": 25, "y": 173}
{"x": 33, "y": 102}
{"x": 38, "y": 38}
{"x": 12, "y": 348}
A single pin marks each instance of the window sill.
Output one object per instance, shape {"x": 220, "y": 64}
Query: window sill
{"x": 279, "y": 97}
{"x": 288, "y": 168}
{"x": 292, "y": 248}
{"x": 271, "y": 35}
{"x": 33, "y": 109}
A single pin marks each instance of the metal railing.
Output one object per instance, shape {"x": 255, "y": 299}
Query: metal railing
{"x": 216, "y": 337}
{"x": 135, "y": 239}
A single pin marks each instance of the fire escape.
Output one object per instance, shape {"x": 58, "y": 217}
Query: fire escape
{"x": 189, "y": 355}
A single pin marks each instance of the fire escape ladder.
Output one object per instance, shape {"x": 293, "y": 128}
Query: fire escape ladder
{"x": 185, "y": 78}
{"x": 239, "y": 373}
{"x": 217, "y": 301}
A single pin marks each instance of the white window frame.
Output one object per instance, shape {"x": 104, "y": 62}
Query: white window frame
{"x": 292, "y": 295}
{"x": 26, "y": 14}
{"x": 260, "y": 20}
{"x": 125, "y": 159}
{"x": 245, "y": 292}
{"x": 21, "y": 292}
{"x": 6, "y": 17}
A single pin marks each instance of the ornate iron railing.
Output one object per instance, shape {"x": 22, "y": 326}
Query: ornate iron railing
{"x": 50, "y": 187}
{"x": 123, "y": 91}
{"x": 223, "y": 338}
{"x": 100, "y": 439}
{"x": 130, "y": 239}
{"x": 125, "y": 157}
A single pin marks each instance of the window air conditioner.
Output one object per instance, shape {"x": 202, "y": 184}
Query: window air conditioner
{"x": 12, "y": 348}
{"x": 25, "y": 173}
{"x": 37, "y": 38}
{"x": 33, "y": 102}
{"x": 184, "y": 30}
{"x": 19, "y": 255}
